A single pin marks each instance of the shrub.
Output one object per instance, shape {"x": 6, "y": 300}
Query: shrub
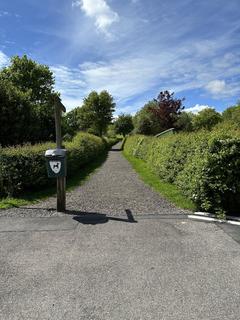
{"x": 211, "y": 177}
{"x": 145, "y": 121}
{"x": 206, "y": 119}
{"x": 205, "y": 165}
{"x": 24, "y": 168}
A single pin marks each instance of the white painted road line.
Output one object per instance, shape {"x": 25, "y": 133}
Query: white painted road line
{"x": 209, "y": 219}
{"x": 211, "y": 215}
{"x": 202, "y": 218}
{"x": 237, "y": 223}
{"x": 202, "y": 213}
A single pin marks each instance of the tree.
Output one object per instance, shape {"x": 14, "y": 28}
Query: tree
{"x": 145, "y": 121}
{"x": 97, "y": 111}
{"x": 15, "y": 111}
{"x": 111, "y": 130}
{"x": 124, "y": 124}
{"x": 30, "y": 77}
{"x": 78, "y": 119}
{"x": 206, "y": 119}
{"x": 70, "y": 122}
{"x": 86, "y": 118}
{"x": 167, "y": 109}
{"x": 232, "y": 114}
{"x": 185, "y": 121}
{"x": 35, "y": 82}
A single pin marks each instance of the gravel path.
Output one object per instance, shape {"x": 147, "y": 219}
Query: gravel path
{"x": 115, "y": 189}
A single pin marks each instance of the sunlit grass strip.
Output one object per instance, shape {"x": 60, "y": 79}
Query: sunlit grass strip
{"x": 168, "y": 190}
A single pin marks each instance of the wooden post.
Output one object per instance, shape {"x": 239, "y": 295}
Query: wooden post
{"x": 61, "y": 181}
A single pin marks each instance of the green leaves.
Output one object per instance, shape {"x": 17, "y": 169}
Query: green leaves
{"x": 15, "y": 111}
{"x": 145, "y": 121}
{"x": 206, "y": 119}
{"x": 24, "y": 168}
{"x": 204, "y": 165}
{"x": 124, "y": 124}
{"x": 96, "y": 112}
{"x": 26, "y": 92}
{"x": 233, "y": 114}
{"x": 94, "y": 116}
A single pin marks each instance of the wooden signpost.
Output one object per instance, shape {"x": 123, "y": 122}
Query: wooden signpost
{"x": 61, "y": 181}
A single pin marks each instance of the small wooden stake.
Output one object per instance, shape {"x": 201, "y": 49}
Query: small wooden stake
{"x": 61, "y": 181}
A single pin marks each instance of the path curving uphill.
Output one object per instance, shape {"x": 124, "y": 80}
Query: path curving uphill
{"x": 113, "y": 189}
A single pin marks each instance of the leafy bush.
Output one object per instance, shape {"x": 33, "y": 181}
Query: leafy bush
{"x": 205, "y": 165}
{"x": 206, "y": 119}
{"x": 145, "y": 121}
{"x": 24, "y": 168}
{"x": 212, "y": 176}
{"x": 232, "y": 114}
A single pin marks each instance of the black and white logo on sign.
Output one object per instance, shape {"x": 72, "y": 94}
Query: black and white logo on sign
{"x": 55, "y": 166}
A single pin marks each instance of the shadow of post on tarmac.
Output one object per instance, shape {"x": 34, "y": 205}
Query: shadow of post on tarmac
{"x": 99, "y": 218}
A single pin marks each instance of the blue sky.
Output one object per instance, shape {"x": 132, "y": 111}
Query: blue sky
{"x": 133, "y": 48}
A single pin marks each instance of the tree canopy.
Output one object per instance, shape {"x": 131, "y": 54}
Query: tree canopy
{"x": 232, "y": 114}
{"x": 123, "y": 124}
{"x": 185, "y": 121}
{"x": 206, "y": 119}
{"x": 97, "y": 112}
{"x": 30, "y": 100}
{"x": 145, "y": 121}
{"x": 71, "y": 121}
{"x": 167, "y": 109}
{"x": 16, "y": 114}
{"x": 30, "y": 77}
{"x": 27, "y": 113}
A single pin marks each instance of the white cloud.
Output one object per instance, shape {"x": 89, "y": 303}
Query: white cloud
{"x": 76, "y": 4}
{"x": 223, "y": 89}
{"x": 197, "y": 108}
{"x": 9, "y": 14}
{"x": 70, "y": 84}
{"x": 143, "y": 61}
{"x": 4, "y": 13}
{"x": 69, "y": 77}
{"x": 4, "y": 60}
{"x": 124, "y": 78}
{"x": 216, "y": 86}
{"x": 129, "y": 77}
{"x": 100, "y": 11}
{"x": 133, "y": 77}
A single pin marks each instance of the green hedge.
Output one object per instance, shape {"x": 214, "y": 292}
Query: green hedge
{"x": 204, "y": 165}
{"x": 24, "y": 168}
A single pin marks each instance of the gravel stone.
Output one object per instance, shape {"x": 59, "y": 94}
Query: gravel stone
{"x": 113, "y": 189}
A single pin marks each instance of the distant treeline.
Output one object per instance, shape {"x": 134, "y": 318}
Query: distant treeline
{"x": 27, "y": 115}
{"x": 26, "y": 106}
{"x": 159, "y": 114}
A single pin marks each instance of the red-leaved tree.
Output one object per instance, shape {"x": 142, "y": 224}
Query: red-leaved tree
{"x": 167, "y": 109}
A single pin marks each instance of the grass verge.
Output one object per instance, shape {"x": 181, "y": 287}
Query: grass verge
{"x": 168, "y": 190}
{"x": 73, "y": 182}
